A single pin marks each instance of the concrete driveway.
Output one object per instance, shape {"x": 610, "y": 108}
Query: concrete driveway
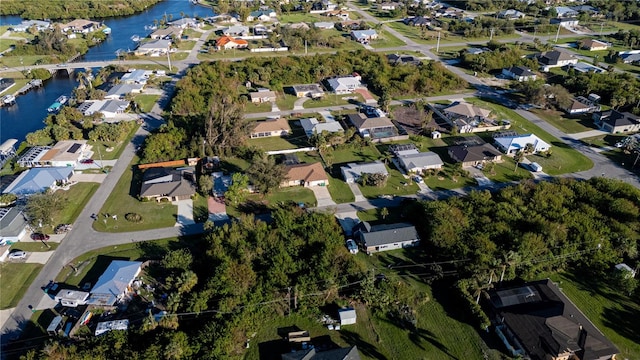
{"x": 185, "y": 212}
{"x": 357, "y": 193}
{"x": 323, "y": 198}
{"x": 38, "y": 257}
{"x": 80, "y": 177}
{"x": 347, "y": 220}
{"x": 298, "y": 105}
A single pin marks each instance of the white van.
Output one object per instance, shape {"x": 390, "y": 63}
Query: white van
{"x": 535, "y": 167}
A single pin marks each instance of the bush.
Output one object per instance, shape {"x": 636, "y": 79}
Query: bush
{"x": 133, "y": 217}
{"x": 164, "y": 200}
{"x": 7, "y": 198}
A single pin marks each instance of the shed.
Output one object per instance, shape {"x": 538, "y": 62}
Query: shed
{"x": 347, "y": 316}
{"x": 626, "y": 268}
{"x": 55, "y": 325}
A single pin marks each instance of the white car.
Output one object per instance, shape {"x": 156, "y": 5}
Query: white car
{"x": 418, "y": 179}
{"x": 352, "y": 246}
{"x": 17, "y": 255}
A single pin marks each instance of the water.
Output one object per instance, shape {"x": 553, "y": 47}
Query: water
{"x": 30, "y": 110}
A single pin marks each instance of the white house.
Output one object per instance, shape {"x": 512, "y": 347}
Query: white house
{"x": 27, "y": 24}
{"x": 37, "y": 180}
{"x": 108, "y": 108}
{"x": 352, "y": 171}
{"x": 136, "y": 77}
{"x": 115, "y": 282}
{"x": 511, "y": 14}
{"x": 364, "y": 36}
{"x": 186, "y": 23}
{"x": 72, "y": 298}
{"x": 344, "y": 84}
{"x": 347, "y": 316}
{"x": 13, "y": 224}
{"x": 65, "y": 153}
{"x": 262, "y": 15}
{"x": 307, "y": 175}
{"x": 312, "y": 126}
{"x": 324, "y": 25}
{"x": 81, "y": 26}
{"x": 236, "y": 30}
{"x": 626, "y": 268}
{"x": 107, "y": 326}
{"x": 262, "y": 96}
{"x": 273, "y": 127}
{"x": 510, "y": 145}
{"x": 121, "y": 90}
{"x": 519, "y": 73}
{"x": 420, "y": 161}
{"x": 154, "y": 47}
{"x": 555, "y": 58}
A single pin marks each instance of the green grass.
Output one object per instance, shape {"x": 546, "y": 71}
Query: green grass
{"x": 614, "y": 313}
{"x": 504, "y": 171}
{"x": 332, "y": 100}
{"x": 564, "y": 159}
{"x": 186, "y": 45}
{"x": 177, "y": 56}
{"x": 292, "y": 141}
{"x": 396, "y": 185}
{"x": 77, "y": 197}
{"x": 340, "y": 191}
{"x": 16, "y": 279}
{"x": 386, "y": 40}
{"x": 365, "y": 153}
{"x": 603, "y": 140}
{"x": 124, "y": 199}
{"x": 295, "y": 193}
{"x": 146, "y": 102}
{"x": 34, "y": 246}
{"x": 100, "y": 149}
{"x": 301, "y": 17}
{"x": 200, "y": 209}
{"x": 6, "y": 43}
{"x": 285, "y": 101}
{"x": 374, "y": 216}
{"x": 567, "y": 125}
{"x": 18, "y": 62}
{"x": 251, "y": 108}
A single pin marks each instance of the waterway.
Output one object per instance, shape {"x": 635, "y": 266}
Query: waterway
{"x": 30, "y": 110}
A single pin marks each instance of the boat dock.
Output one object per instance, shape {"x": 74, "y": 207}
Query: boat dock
{"x": 30, "y": 85}
{"x": 7, "y": 151}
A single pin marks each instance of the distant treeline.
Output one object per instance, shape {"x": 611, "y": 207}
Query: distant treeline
{"x": 71, "y": 9}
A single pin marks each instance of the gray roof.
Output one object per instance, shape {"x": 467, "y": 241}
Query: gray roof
{"x": 361, "y": 121}
{"x": 520, "y": 71}
{"x": 354, "y": 171}
{"x": 155, "y": 45}
{"x": 37, "y": 180}
{"x": 123, "y": 89}
{"x": 390, "y": 233}
{"x": 312, "y": 126}
{"x": 463, "y": 153}
{"x": 348, "y": 313}
{"x": 420, "y": 160}
{"x": 116, "y": 278}
{"x": 554, "y": 56}
{"x": 348, "y": 353}
{"x": 616, "y": 118}
{"x": 167, "y": 182}
{"x": 12, "y": 221}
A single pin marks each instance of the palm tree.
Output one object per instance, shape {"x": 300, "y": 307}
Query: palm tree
{"x": 518, "y": 158}
{"x": 84, "y": 79}
{"x": 384, "y": 212}
{"x": 509, "y": 259}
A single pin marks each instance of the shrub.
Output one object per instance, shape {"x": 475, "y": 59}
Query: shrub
{"x": 133, "y": 217}
{"x": 7, "y": 198}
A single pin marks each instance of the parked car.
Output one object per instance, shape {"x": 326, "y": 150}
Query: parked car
{"x": 418, "y": 179}
{"x": 86, "y": 286}
{"x": 352, "y": 246}
{"x": 63, "y": 228}
{"x": 39, "y": 236}
{"x": 86, "y": 161}
{"x": 17, "y": 255}
{"x": 51, "y": 287}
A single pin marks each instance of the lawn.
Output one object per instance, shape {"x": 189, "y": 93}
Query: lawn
{"x": 146, "y": 102}
{"x": 340, "y": 191}
{"x": 251, "y": 108}
{"x": 233, "y": 164}
{"x": 396, "y": 185}
{"x": 124, "y": 199}
{"x": 296, "y": 140}
{"x": 365, "y": 153}
{"x": 374, "y": 216}
{"x": 34, "y": 246}
{"x": 567, "y": 125}
{"x": 200, "y": 209}
{"x": 295, "y": 193}
{"x": 602, "y": 141}
{"x": 333, "y": 100}
{"x": 77, "y": 197}
{"x": 614, "y": 313}
{"x": 18, "y": 62}
{"x": 285, "y": 101}
{"x": 564, "y": 159}
{"x": 111, "y": 151}
{"x": 16, "y": 279}
{"x": 300, "y": 16}
{"x": 386, "y": 40}
{"x": 506, "y": 171}
{"x": 186, "y": 45}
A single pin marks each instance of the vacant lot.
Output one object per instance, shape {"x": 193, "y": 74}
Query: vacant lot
{"x": 15, "y": 279}
{"x": 567, "y": 125}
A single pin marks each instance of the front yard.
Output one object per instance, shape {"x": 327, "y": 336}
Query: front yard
{"x": 567, "y": 125}
{"x": 396, "y": 185}
{"x": 16, "y": 279}
{"x": 146, "y": 102}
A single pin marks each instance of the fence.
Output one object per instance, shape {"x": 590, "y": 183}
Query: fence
{"x": 290, "y": 151}
{"x": 189, "y": 161}
{"x": 269, "y": 49}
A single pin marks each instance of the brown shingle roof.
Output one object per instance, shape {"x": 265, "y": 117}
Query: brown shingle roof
{"x": 306, "y": 172}
{"x": 272, "y": 125}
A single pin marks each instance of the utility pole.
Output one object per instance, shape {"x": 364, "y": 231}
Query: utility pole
{"x": 601, "y": 25}
{"x": 305, "y": 47}
{"x": 557, "y": 33}
{"x": 169, "y": 59}
{"x": 491, "y": 35}
{"x": 438, "y": 44}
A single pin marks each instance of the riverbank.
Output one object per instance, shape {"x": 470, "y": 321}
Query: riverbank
{"x": 95, "y": 9}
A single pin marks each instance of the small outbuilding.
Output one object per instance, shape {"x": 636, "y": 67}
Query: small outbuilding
{"x": 347, "y": 316}
{"x": 626, "y": 268}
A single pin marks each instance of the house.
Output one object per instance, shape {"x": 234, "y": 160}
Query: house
{"x": 344, "y": 84}
{"x": 299, "y": 26}
{"x": 566, "y": 12}
{"x": 114, "y": 283}
{"x": 25, "y": 25}
{"x": 511, "y": 145}
{"x": 341, "y": 14}
{"x": 582, "y": 105}
{"x": 584, "y": 67}
{"x": 312, "y": 126}
{"x": 350, "y": 25}
{"x": 65, "y": 153}
{"x": 136, "y": 77}
{"x": 630, "y": 57}
{"x": 476, "y": 51}
{"x": 110, "y": 109}
{"x": 537, "y": 321}
{"x": 107, "y": 326}
{"x": 323, "y": 5}
{"x": 396, "y": 59}
{"x": 262, "y": 96}
{"x": 262, "y": 15}
{"x": 352, "y": 171}
{"x": 567, "y": 23}
{"x": 347, "y": 316}
{"x": 271, "y": 127}
{"x": 32, "y": 157}
{"x": 386, "y": 237}
{"x": 260, "y": 30}
{"x": 313, "y": 91}
{"x": 474, "y": 154}
{"x": 72, "y": 298}
{"x": 364, "y": 36}
{"x": 389, "y": 6}
{"x": 587, "y": 9}
{"x": 418, "y": 21}
{"x": 593, "y": 45}
{"x": 470, "y": 118}
{"x": 227, "y": 42}
{"x": 348, "y": 353}
{"x": 37, "y": 180}
{"x": 120, "y": 91}
{"x": 555, "y": 58}
{"x": 170, "y": 32}
{"x": 153, "y": 48}
{"x": 511, "y": 14}
{"x": 420, "y": 161}
{"x": 186, "y": 23}
{"x": 374, "y": 127}
{"x": 307, "y": 175}
{"x": 81, "y": 26}
{"x": 168, "y": 183}
{"x": 13, "y": 224}
{"x": 519, "y": 73}
{"x": 324, "y": 25}
{"x": 236, "y": 30}
{"x": 630, "y": 273}
{"x": 614, "y": 122}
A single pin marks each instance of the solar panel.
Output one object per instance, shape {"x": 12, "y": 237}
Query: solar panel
{"x": 74, "y": 148}
{"x": 4, "y": 212}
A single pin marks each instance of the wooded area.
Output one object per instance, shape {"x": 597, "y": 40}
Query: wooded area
{"x": 60, "y": 9}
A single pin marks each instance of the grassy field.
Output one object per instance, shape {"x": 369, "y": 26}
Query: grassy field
{"x": 124, "y": 200}
{"x": 396, "y": 185}
{"x": 504, "y": 171}
{"x": 332, "y": 100}
{"x": 257, "y": 108}
{"x": 614, "y": 313}
{"x": 146, "y": 102}
{"x": 365, "y": 153}
{"x": 15, "y": 279}
{"x": 186, "y": 45}
{"x": 387, "y": 40}
{"x": 340, "y": 191}
{"x": 564, "y": 159}
{"x": 295, "y": 193}
{"x": 297, "y": 139}
{"x": 285, "y": 101}
{"x": 77, "y": 197}
{"x": 567, "y": 125}
{"x": 34, "y": 246}
{"x": 115, "y": 149}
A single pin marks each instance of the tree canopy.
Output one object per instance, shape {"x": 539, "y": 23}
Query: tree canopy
{"x": 60, "y": 9}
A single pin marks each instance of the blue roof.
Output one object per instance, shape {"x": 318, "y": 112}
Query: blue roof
{"x": 37, "y": 180}
{"x": 114, "y": 281}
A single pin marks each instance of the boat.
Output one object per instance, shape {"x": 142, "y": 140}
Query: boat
{"x": 8, "y": 100}
{"x": 135, "y": 38}
{"x": 58, "y": 104}
{"x": 151, "y": 27}
{"x": 107, "y": 31}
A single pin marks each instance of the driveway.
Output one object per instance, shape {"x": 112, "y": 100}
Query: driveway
{"x": 39, "y": 257}
{"x": 323, "y": 198}
{"x": 81, "y": 177}
{"x": 298, "y": 105}
{"x": 347, "y": 220}
{"x": 185, "y": 212}
{"x": 588, "y": 134}
{"x": 357, "y": 193}
{"x": 327, "y": 116}
{"x": 274, "y": 107}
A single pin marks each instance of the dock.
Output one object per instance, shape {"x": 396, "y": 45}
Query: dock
{"x": 36, "y": 83}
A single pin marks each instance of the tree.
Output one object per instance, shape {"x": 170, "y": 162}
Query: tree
{"x": 179, "y": 260}
{"x": 237, "y": 191}
{"x": 225, "y": 126}
{"x": 518, "y": 158}
{"x": 42, "y": 207}
{"x": 384, "y": 212}
{"x": 205, "y": 184}
{"x": 265, "y": 174}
